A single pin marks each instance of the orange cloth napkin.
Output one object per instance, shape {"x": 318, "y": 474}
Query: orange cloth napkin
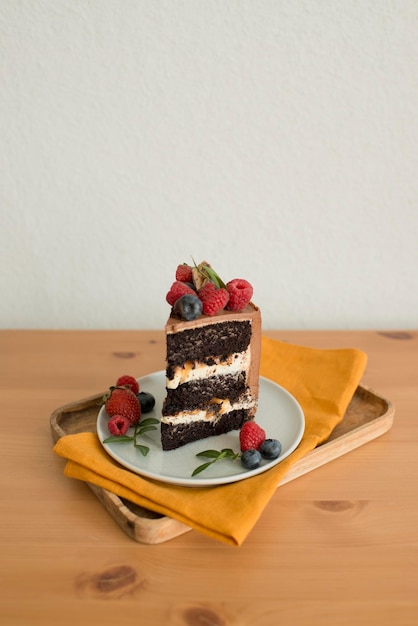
{"x": 323, "y": 382}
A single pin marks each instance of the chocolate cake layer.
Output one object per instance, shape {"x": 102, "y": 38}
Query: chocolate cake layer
{"x": 197, "y": 394}
{"x": 175, "y": 436}
{"x": 212, "y": 369}
{"x": 202, "y": 343}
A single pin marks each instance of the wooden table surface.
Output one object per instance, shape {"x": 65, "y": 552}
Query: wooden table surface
{"x": 336, "y": 546}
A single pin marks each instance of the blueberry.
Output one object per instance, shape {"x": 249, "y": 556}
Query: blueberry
{"x": 251, "y": 459}
{"x": 146, "y": 400}
{"x": 271, "y": 449}
{"x": 188, "y": 307}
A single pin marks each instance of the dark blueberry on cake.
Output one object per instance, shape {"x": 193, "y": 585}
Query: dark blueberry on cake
{"x": 188, "y": 307}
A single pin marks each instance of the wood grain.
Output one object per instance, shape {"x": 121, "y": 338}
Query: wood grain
{"x": 336, "y": 546}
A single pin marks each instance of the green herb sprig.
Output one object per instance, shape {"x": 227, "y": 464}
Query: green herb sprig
{"x": 142, "y": 427}
{"x": 207, "y": 272}
{"x": 215, "y": 455}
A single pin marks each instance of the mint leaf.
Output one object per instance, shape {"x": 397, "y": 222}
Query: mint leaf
{"x": 147, "y": 421}
{"x": 215, "y": 455}
{"x": 214, "y": 277}
{"x": 145, "y": 429}
{"x": 144, "y": 426}
{"x": 118, "y": 439}
{"x": 143, "y": 449}
{"x": 230, "y": 454}
{"x": 201, "y": 468}
{"x": 211, "y": 454}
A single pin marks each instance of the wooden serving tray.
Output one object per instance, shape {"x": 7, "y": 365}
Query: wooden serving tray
{"x": 368, "y": 416}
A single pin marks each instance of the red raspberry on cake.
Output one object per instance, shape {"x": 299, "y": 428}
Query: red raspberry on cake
{"x": 123, "y": 401}
{"x": 177, "y": 290}
{"x": 184, "y": 273}
{"x": 213, "y": 299}
{"x": 128, "y": 381}
{"x": 240, "y": 293}
{"x": 118, "y": 425}
{"x": 251, "y": 436}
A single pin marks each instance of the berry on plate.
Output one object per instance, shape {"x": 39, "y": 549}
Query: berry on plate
{"x": 118, "y": 425}
{"x": 251, "y": 459}
{"x": 123, "y": 401}
{"x": 128, "y": 381}
{"x": 251, "y": 436}
{"x": 146, "y": 400}
{"x": 271, "y": 449}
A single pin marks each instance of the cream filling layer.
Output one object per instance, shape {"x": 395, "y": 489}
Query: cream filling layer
{"x": 221, "y": 407}
{"x": 194, "y": 370}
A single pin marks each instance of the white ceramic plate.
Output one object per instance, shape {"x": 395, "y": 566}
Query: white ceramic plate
{"x": 278, "y": 413}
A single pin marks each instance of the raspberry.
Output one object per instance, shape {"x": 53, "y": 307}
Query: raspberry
{"x": 213, "y": 300}
{"x": 177, "y": 290}
{"x": 118, "y": 425}
{"x": 240, "y": 293}
{"x": 251, "y": 436}
{"x": 123, "y": 401}
{"x": 184, "y": 273}
{"x": 128, "y": 381}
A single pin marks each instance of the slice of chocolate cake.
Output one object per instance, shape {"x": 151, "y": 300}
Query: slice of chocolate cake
{"x": 212, "y": 371}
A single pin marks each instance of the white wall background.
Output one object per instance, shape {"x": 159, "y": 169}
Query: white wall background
{"x": 276, "y": 139}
